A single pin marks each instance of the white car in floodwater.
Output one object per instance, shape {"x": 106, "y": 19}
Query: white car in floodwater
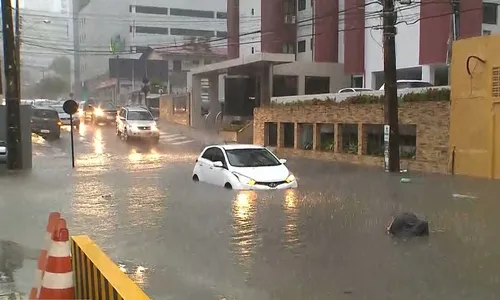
{"x": 243, "y": 167}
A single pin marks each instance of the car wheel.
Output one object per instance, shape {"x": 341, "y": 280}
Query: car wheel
{"x": 228, "y": 186}
{"x": 195, "y": 178}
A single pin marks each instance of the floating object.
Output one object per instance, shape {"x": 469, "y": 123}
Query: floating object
{"x": 408, "y": 225}
{"x": 461, "y": 196}
{"x": 405, "y": 180}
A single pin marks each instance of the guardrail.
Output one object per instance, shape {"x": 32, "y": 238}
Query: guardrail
{"x": 97, "y": 277}
{"x": 339, "y": 97}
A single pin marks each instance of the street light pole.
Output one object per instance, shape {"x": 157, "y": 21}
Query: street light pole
{"x": 12, "y": 96}
{"x": 390, "y": 87}
{"x": 18, "y": 42}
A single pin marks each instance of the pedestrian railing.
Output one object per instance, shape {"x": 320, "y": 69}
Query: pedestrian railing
{"x": 97, "y": 277}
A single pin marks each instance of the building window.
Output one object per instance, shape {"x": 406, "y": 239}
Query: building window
{"x": 191, "y": 13}
{"x": 301, "y": 46}
{"x": 195, "y": 62}
{"x": 208, "y": 61}
{"x": 191, "y": 32}
{"x": 486, "y": 32}
{"x": 151, "y": 30}
{"x": 130, "y": 8}
{"x": 152, "y": 10}
{"x": 302, "y": 5}
{"x": 221, "y": 34}
{"x": 253, "y": 50}
{"x": 221, "y": 15}
{"x": 288, "y": 48}
{"x": 312, "y": 44}
{"x": 357, "y": 81}
{"x": 253, "y": 12}
{"x": 490, "y": 13}
{"x": 177, "y": 65}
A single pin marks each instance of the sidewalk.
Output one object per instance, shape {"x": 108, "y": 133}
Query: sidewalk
{"x": 205, "y": 135}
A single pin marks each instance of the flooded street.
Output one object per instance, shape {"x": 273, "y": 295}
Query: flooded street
{"x": 326, "y": 240}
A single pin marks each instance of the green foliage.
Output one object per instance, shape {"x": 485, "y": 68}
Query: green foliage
{"x": 424, "y": 96}
{"x": 61, "y": 66}
{"x": 51, "y": 87}
{"x": 352, "y": 148}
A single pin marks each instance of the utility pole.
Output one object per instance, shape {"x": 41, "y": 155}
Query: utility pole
{"x": 12, "y": 97}
{"x": 390, "y": 87}
{"x": 454, "y": 32}
{"x": 18, "y": 43}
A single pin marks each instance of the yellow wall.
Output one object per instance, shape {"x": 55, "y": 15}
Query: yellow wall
{"x": 475, "y": 109}
{"x": 97, "y": 277}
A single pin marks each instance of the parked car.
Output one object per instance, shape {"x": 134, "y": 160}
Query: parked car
{"x": 137, "y": 123}
{"x": 408, "y": 84}
{"x": 3, "y": 152}
{"x": 354, "y": 90}
{"x": 66, "y": 118}
{"x": 243, "y": 167}
{"x": 45, "y": 122}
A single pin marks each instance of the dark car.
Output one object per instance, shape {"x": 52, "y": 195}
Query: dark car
{"x": 45, "y": 122}
{"x": 100, "y": 112}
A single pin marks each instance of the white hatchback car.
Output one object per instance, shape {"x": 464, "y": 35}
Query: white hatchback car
{"x": 243, "y": 167}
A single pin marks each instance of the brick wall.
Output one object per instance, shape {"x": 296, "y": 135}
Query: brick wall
{"x": 431, "y": 119}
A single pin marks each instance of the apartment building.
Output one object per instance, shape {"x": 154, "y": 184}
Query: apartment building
{"x": 349, "y": 32}
{"x": 141, "y": 24}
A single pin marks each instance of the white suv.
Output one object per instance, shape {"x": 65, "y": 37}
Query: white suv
{"x": 137, "y": 122}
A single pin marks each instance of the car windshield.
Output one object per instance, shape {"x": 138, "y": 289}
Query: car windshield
{"x": 107, "y": 105}
{"x": 45, "y": 113}
{"x": 59, "y": 109}
{"x": 140, "y": 115}
{"x": 251, "y": 158}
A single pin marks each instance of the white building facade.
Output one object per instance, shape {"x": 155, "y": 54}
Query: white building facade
{"x": 142, "y": 23}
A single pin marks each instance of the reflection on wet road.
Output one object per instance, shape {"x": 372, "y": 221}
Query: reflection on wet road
{"x": 181, "y": 240}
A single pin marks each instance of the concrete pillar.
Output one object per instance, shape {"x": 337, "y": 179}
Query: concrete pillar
{"x": 213, "y": 95}
{"x": 281, "y": 135}
{"x": 297, "y": 142}
{"x": 337, "y": 138}
{"x": 196, "y": 119}
{"x": 301, "y": 82}
{"x": 361, "y": 139}
{"x": 428, "y": 73}
{"x": 316, "y": 136}
{"x": 265, "y": 77}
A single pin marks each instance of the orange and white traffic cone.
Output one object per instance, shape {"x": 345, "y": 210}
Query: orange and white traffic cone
{"x": 54, "y": 218}
{"x": 57, "y": 280}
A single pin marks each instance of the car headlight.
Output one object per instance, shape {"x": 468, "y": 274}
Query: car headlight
{"x": 154, "y": 128}
{"x": 290, "y": 178}
{"x": 244, "y": 179}
{"x": 133, "y": 128}
{"x": 98, "y": 112}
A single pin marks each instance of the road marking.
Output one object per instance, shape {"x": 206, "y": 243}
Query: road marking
{"x": 169, "y": 135}
{"x": 174, "y": 139}
{"x": 183, "y": 142}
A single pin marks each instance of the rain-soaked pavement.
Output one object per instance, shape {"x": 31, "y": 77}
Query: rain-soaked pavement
{"x": 326, "y": 240}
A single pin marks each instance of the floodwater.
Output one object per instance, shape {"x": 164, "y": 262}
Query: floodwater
{"x": 326, "y": 240}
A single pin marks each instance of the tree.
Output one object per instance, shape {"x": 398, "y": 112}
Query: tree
{"x": 51, "y": 87}
{"x": 61, "y": 66}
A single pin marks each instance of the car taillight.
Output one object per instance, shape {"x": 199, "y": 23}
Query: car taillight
{"x": 59, "y": 123}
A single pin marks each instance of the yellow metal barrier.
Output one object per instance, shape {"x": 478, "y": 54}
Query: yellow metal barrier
{"x": 97, "y": 277}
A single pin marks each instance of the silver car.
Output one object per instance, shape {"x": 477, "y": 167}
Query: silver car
{"x": 137, "y": 123}
{"x": 66, "y": 118}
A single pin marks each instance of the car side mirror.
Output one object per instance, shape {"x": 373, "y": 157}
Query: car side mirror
{"x": 218, "y": 164}
{"x": 283, "y": 161}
